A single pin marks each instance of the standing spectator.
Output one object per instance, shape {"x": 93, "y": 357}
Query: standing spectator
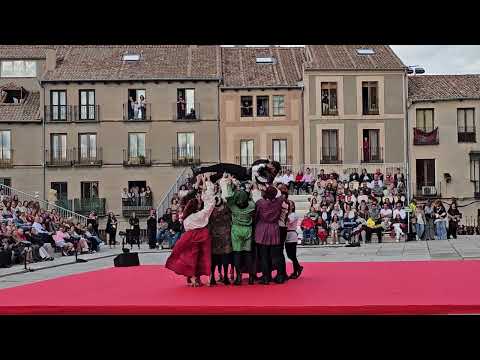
{"x": 131, "y": 108}
{"x": 125, "y": 197}
{"x": 148, "y": 197}
{"x": 335, "y": 228}
{"x": 142, "y": 197}
{"x": 152, "y": 229}
{"x": 440, "y": 215}
{"x": 420, "y": 222}
{"x": 429, "y": 221}
{"x": 454, "y": 217}
{"x": 111, "y": 229}
{"x": 134, "y": 223}
{"x": 181, "y": 106}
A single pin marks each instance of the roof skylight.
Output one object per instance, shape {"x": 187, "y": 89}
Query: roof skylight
{"x": 365, "y": 51}
{"x": 265, "y": 60}
{"x": 131, "y": 57}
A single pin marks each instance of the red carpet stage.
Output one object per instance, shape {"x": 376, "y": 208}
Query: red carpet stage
{"x": 417, "y": 287}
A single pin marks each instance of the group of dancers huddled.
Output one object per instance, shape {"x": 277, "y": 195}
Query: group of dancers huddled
{"x": 236, "y": 216}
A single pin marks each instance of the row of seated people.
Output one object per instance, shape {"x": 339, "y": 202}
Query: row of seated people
{"x": 29, "y": 232}
{"x": 345, "y": 220}
{"x": 377, "y": 181}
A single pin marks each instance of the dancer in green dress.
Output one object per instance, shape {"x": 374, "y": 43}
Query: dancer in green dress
{"x": 242, "y": 209}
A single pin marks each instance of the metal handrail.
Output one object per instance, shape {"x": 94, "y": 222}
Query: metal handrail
{"x": 65, "y": 213}
{"x": 166, "y": 199}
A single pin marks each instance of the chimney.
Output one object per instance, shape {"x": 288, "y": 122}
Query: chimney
{"x": 51, "y": 59}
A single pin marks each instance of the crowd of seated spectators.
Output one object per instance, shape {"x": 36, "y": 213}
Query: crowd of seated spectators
{"x": 29, "y": 232}
{"x": 353, "y": 206}
{"x": 350, "y": 205}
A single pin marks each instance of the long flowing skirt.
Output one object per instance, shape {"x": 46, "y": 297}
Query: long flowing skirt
{"x": 191, "y": 255}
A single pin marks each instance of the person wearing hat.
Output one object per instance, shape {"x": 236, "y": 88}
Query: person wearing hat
{"x": 219, "y": 225}
{"x": 267, "y": 232}
{"x": 242, "y": 210}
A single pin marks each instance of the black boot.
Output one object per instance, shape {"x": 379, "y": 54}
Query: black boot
{"x": 226, "y": 281}
{"x": 212, "y": 280}
{"x": 236, "y": 263}
{"x": 251, "y": 279}
{"x": 238, "y": 279}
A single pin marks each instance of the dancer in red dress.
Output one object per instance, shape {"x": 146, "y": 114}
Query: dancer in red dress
{"x": 191, "y": 256}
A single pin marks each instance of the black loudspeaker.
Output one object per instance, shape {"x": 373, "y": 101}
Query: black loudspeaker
{"x": 126, "y": 259}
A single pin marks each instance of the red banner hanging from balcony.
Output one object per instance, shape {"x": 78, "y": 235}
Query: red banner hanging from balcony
{"x": 421, "y": 137}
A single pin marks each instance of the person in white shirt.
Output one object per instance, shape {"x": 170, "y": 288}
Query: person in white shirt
{"x": 292, "y": 240}
{"x": 289, "y": 179}
{"x": 376, "y": 183}
{"x": 386, "y": 212}
{"x": 399, "y": 211}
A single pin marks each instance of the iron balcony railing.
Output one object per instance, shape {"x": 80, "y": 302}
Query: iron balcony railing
{"x": 137, "y": 159}
{"x": 59, "y": 157}
{"x": 65, "y": 203}
{"x": 86, "y": 206}
{"x": 65, "y": 213}
{"x": 372, "y": 154}
{"x": 141, "y": 209}
{"x": 6, "y": 158}
{"x": 329, "y": 111}
{"x": 86, "y": 113}
{"x": 185, "y": 156}
{"x": 425, "y": 137}
{"x": 58, "y": 113}
{"x": 331, "y": 155}
{"x": 467, "y": 134}
{"x": 427, "y": 189}
{"x": 143, "y": 114}
{"x": 88, "y": 157}
{"x": 186, "y": 114}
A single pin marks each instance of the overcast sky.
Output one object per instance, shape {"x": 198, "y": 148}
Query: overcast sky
{"x": 439, "y": 59}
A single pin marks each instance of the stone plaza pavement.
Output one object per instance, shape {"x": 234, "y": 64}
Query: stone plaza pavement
{"x": 464, "y": 248}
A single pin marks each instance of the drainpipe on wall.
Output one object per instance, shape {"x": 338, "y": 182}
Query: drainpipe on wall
{"x": 218, "y": 120}
{"x": 43, "y": 143}
{"x": 407, "y": 140}
{"x": 302, "y": 130}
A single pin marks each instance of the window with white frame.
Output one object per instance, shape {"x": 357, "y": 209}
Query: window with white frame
{"x": 246, "y": 152}
{"x": 278, "y": 105}
{"x": 280, "y": 150}
{"x": 5, "y": 145}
